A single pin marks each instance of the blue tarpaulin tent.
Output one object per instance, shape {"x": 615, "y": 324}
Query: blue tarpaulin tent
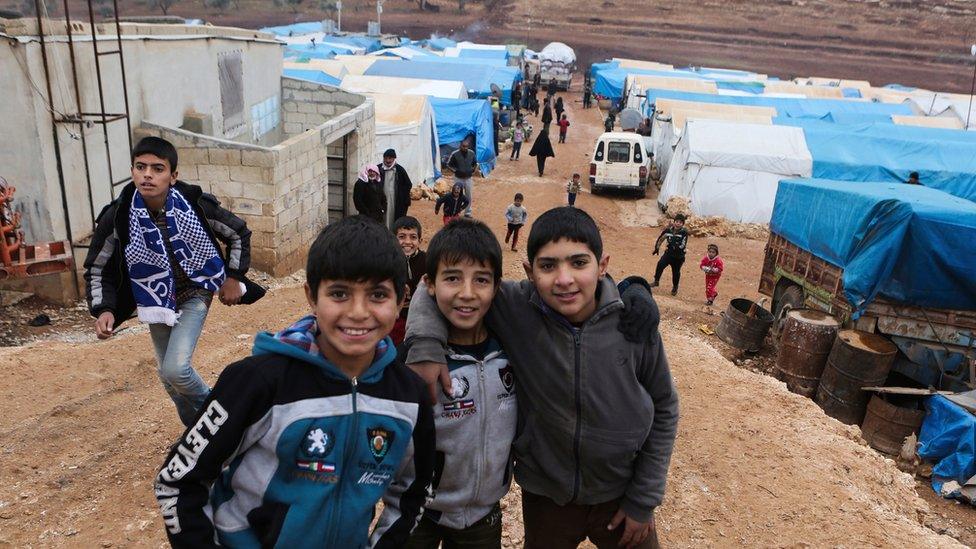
{"x": 459, "y": 118}
{"x": 903, "y": 242}
{"x": 295, "y": 29}
{"x": 948, "y": 437}
{"x": 319, "y": 51}
{"x": 477, "y": 77}
{"x": 441, "y": 44}
{"x": 788, "y": 106}
{"x": 945, "y": 159}
{"x": 320, "y": 77}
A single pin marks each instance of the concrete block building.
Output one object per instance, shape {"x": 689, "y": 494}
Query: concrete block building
{"x": 281, "y": 153}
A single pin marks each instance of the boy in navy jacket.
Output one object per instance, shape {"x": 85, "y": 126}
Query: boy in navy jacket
{"x": 297, "y": 443}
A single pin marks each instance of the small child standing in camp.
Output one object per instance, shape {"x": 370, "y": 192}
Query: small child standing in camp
{"x": 518, "y": 136}
{"x": 516, "y": 216}
{"x": 563, "y": 128}
{"x": 713, "y": 266}
{"x": 573, "y": 188}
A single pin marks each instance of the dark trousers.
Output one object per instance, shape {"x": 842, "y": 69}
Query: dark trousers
{"x": 513, "y": 231}
{"x": 562, "y": 137}
{"x": 516, "y": 149}
{"x": 674, "y": 261}
{"x": 541, "y": 162}
{"x": 551, "y": 526}
{"x": 572, "y": 198}
{"x": 484, "y": 534}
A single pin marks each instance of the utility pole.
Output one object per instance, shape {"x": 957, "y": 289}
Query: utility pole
{"x": 379, "y": 16}
{"x": 972, "y": 90}
{"x": 339, "y": 11}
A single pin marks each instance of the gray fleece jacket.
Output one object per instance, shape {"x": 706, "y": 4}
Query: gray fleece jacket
{"x": 598, "y": 415}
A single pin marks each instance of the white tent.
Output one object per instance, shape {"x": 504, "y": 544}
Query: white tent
{"x": 732, "y": 169}
{"x": 361, "y": 83}
{"x": 669, "y": 122}
{"x": 405, "y": 123}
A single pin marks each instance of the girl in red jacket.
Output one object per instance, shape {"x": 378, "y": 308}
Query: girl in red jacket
{"x": 713, "y": 266}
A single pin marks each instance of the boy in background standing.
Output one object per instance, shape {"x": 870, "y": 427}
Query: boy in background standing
{"x": 516, "y": 215}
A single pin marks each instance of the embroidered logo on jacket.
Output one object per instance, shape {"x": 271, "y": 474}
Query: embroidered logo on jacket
{"x": 508, "y": 380}
{"x": 460, "y": 386}
{"x": 315, "y": 446}
{"x": 380, "y": 440}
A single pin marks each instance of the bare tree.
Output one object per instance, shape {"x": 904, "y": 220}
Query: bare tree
{"x": 219, "y": 5}
{"x": 293, "y": 4}
{"x": 161, "y": 5}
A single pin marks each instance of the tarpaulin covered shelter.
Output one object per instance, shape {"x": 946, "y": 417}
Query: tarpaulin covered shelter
{"x": 331, "y": 67}
{"x": 458, "y": 119}
{"x": 944, "y": 159}
{"x": 903, "y": 242}
{"x": 446, "y": 89}
{"x": 311, "y": 75}
{"x": 359, "y": 64}
{"x": 477, "y": 77}
{"x": 668, "y": 123}
{"x": 732, "y": 169}
{"x": 792, "y": 107}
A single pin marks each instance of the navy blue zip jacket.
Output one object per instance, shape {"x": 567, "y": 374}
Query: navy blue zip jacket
{"x": 289, "y": 452}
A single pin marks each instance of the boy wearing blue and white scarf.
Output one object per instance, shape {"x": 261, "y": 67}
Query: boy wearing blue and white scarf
{"x": 155, "y": 252}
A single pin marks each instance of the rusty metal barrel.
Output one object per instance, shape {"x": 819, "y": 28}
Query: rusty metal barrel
{"x": 887, "y": 425}
{"x": 805, "y": 342}
{"x": 739, "y": 329}
{"x": 857, "y": 359}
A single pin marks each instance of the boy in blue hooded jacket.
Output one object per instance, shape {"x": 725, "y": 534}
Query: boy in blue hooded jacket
{"x": 297, "y": 443}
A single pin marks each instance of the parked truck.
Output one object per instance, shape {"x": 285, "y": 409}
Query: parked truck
{"x": 908, "y": 281}
{"x": 557, "y": 63}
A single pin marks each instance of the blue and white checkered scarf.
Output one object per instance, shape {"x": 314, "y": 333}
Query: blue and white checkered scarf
{"x": 153, "y": 284}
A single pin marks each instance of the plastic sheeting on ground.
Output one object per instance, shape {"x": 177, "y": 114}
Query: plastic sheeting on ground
{"x": 447, "y": 89}
{"x": 732, "y": 169}
{"x": 907, "y": 243}
{"x": 311, "y": 75}
{"x": 944, "y": 159}
{"x": 948, "y": 437}
{"x": 459, "y": 118}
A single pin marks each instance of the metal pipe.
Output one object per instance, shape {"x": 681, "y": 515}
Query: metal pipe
{"x": 125, "y": 89}
{"x": 81, "y": 128}
{"x": 101, "y": 93}
{"x": 54, "y": 132}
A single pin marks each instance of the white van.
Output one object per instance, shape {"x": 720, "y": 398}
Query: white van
{"x": 620, "y": 161}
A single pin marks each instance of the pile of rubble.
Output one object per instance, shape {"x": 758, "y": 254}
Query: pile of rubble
{"x": 712, "y": 225}
{"x": 425, "y": 192}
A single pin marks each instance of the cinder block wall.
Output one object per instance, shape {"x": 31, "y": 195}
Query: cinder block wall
{"x": 281, "y": 191}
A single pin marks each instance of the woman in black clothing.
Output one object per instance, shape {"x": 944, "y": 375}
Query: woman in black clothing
{"x": 542, "y": 149}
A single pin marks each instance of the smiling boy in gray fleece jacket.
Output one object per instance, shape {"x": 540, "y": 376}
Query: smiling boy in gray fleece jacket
{"x": 598, "y": 414}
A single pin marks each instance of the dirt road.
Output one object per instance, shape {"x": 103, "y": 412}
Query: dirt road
{"x": 84, "y": 426}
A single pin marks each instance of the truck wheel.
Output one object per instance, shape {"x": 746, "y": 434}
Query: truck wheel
{"x": 790, "y": 298}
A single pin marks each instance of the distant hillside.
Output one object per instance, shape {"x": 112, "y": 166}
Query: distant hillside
{"x": 911, "y": 42}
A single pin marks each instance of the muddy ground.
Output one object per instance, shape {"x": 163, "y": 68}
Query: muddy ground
{"x": 84, "y": 424}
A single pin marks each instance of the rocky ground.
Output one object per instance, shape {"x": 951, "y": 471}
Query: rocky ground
{"x": 85, "y": 424}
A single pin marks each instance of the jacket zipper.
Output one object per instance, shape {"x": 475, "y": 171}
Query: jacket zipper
{"x": 483, "y": 462}
{"x": 579, "y": 413}
{"x": 346, "y": 459}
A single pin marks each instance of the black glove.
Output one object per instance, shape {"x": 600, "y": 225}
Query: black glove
{"x": 640, "y": 318}
{"x": 655, "y": 251}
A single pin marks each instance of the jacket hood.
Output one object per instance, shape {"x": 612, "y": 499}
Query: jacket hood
{"x": 298, "y": 341}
